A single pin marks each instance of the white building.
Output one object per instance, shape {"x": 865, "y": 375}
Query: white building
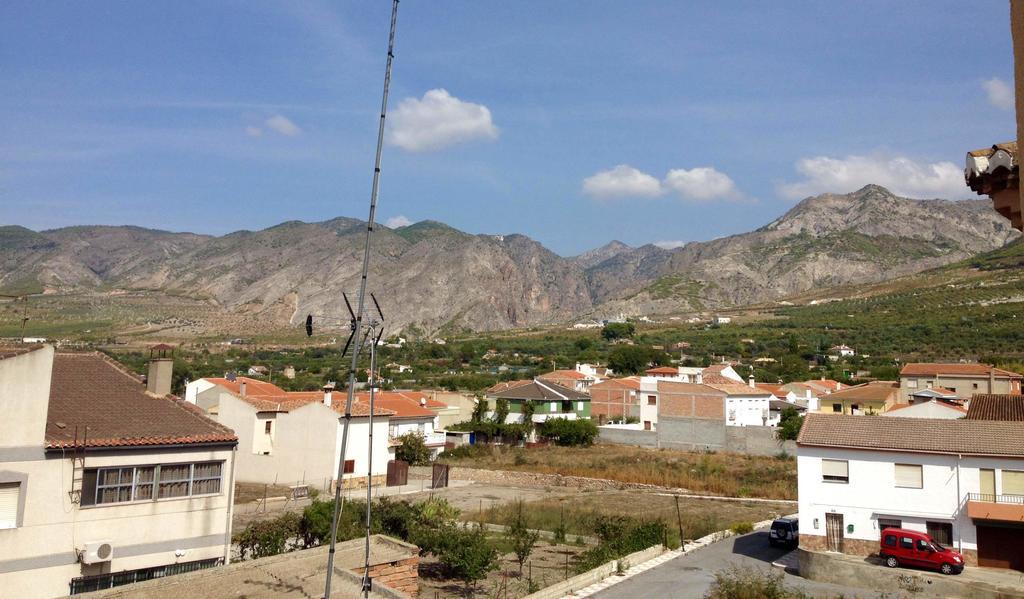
{"x": 720, "y": 320}
{"x": 292, "y": 438}
{"x": 745, "y": 405}
{"x": 101, "y": 473}
{"x": 843, "y": 351}
{"x": 927, "y": 409}
{"x": 961, "y": 481}
{"x": 411, "y": 412}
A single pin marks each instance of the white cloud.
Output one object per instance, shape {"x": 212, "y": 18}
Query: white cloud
{"x": 901, "y": 175}
{"x": 438, "y": 120}
{"x": 253, "y": 131}
{"x": 396, "y": 222}
{"x": 670, "y": 245}
{"x": 623, "y": 181}
{"x": 1000, "y": 93}
{"x": 701, "y": 183}
{"x": 283, "y": 125}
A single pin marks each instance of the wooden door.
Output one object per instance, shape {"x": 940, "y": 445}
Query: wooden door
{"x": 398, "y": 473}
{"x": 439, "y": 476}
{"x": 834, "y": 532}
{"x": 988, "y": 484}
{"x": 1000, "y": 547}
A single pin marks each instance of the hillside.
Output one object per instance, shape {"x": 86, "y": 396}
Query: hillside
{"x": 437, "y": 278}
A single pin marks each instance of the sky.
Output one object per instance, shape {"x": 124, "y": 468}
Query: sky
{"x": 572, "y": 122}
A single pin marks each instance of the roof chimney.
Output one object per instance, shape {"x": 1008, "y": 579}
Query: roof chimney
{"x": 328, "y": 393}
{"x": 161, "y": 372}
{"x": 750, "y": 381}
{"x": 241, "y": 388}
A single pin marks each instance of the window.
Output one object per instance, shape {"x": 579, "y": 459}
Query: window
{"x": 837, "y": 408}
{"x": 392, "y": 430}
{"x": 941, "y": 532}
{"x": 422, "y": 428}
{"x": 98, "y": 582}
{"x": 10, "y": 495}
{"x": 554, "y": 406}
{"x": 884, "y": 523}
{"x": 350, "y": 466}
{"x": 566, "y": 406}
{"x": 906, "y": 542}
{"x": 174, "y": 480}
{"x": 268, "y": 426}
{"x": 909, "y": 476}
{"x": 579, "y": 406}
{"x": 912, "y": 384}
{"x": 146, "y": 483}
{"x": 652, "y": 400}
{"x": 922, "y": 545}
{"x": 890, "y": 540}
{"x": 835, "y": 471}
{"x": 1013, "y": 482}
{"x": 974, "y": 385}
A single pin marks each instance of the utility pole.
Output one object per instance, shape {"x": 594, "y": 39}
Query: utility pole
{"x": 361, "y": 302}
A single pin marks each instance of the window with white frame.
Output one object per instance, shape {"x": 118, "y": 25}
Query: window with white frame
{"x": 10, "y": 496}
{"x": 835, "y": 471}
{"x": 909, "y": 476}
{"x": 145, "y": 483}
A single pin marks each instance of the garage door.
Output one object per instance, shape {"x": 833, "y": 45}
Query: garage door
{"x": 1001, "y": 547}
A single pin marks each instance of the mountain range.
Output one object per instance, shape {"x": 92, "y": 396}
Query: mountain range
{"x": 437, "y": 278}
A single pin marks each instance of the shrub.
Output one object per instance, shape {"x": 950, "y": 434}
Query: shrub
{"x": 315, "y": 523}
{"x": 789, "y": 424}
{"x": 413, "y": 449}
{"x": 742, "y": 528}
{"x": 751, "y": 583}
{"x": 618, "y": 330}
{"x": 269, "y": 537}
{"x": 465, "y": 554}
{"x": 568, "y": 432}
{"x": 619, "y": 536}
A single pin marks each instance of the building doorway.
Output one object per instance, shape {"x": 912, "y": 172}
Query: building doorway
{"x": 834, "y": 532}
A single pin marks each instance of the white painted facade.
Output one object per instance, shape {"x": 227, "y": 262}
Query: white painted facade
{"x": 194, "y": 388}
{"x": 39, "y": 550}
{"x": 301, "y": 446}
{"x": 649, "y": 398}
{"x": 926, "y": 409}
{"x": 871, "y": 491}
{"x": 748, "y": 409}
{"x": 433, "y": 438}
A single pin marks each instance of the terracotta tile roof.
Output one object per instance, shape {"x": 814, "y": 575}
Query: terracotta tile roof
{"x": 564, "y": 374}
{"x": 267, "y": 397}
{"x": 825, "y": 384}
{"x": 629, "y": 382}
{"x": 540, "y": 390}
{"x": 10, "y": 352}
{"x": 936, "y": 369}
{"x": 91, "y": 390}
{"x": 398, "y": 403}
{"x": 926, "y": 435}
{"x": 505, "y": 385}
{"x": 873, "y": 391}
{"x": 717, "y": 379}
{"x": 663, "y": 370}
{"x": 775, "y": 390}
{"x": 996, "y": 407}
{"x": 734, "y": 388}
{"x": 781, "y": 404}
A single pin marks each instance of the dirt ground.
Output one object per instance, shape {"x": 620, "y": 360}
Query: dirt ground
{"x": 548, "y": 564}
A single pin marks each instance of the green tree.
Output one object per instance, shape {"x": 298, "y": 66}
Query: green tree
{"x": 413, "y": 449}
{"x": 618, "y": 330}
{"x": 634, "y": 359}
{"x": 789, "y": 424}
{"x": 467, "y": 555}
{"x": 568, "y": 432}
{"x": 479, "y": 410}
{"x": 519, "y": 535}
{"x": 501, "y": 410}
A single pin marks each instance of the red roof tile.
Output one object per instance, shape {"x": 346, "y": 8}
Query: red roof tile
{"x": 267, "y": 397}
{"x": 629, "y": 382}
{"x": 937, "y": 369}
{"x": 110, "y": 406}
{"x": 400, "y": 404}
{"x": 996, "y": 407}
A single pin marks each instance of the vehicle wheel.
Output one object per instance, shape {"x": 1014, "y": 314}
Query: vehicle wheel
{"x": 892, "y": 562}
{"x": 947, "y": 568}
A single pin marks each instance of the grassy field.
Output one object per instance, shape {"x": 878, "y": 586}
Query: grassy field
{"x": 577, "y": 514}
{"x": 732, "y": 475}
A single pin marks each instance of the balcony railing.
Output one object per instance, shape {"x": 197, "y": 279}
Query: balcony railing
{"x": 990, "y": 498}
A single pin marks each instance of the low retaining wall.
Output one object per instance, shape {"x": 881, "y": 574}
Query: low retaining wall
{"x": 596, "y": 575}
{"x": 870, "y": 573}
{"x": 536, "y": 479}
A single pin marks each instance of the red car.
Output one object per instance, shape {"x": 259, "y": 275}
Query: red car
{"x": 901, "y": 547}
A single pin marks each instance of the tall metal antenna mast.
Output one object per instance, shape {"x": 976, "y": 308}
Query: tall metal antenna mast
{"x": 360, "y": 304}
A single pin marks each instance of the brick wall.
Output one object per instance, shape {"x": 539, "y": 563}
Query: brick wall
{"x": 401, "y": 575}
{"x": 691, "y": 405}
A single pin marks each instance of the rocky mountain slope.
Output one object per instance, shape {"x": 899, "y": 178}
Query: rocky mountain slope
{"x": 441, "y": 279}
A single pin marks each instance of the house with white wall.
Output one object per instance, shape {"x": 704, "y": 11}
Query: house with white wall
{"x": 294, "y": 438}
{"x": 105, "y": 479}
{"x": 745, "y": 405}
{"x": 961, "y": 481}
{"x": 410, "y": 412}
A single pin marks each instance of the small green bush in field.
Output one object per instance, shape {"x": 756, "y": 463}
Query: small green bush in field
{"x": 742, "y": 528}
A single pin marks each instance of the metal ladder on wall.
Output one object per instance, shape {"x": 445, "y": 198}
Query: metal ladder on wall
{"x": 78, "y": 466}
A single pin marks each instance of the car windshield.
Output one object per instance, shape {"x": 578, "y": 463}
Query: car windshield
{"x": 780, "y": 525}
{"x": 938, "y": 547}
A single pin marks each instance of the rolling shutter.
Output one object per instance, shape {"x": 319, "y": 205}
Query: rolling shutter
{"x": 835, "y": 470}
{"x": 9, "y": 494}
{"x": 1013, "y": 482}
{"x": 909, "y": 475}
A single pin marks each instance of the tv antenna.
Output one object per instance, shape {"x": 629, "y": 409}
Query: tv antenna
{"x": 362, "y": 330}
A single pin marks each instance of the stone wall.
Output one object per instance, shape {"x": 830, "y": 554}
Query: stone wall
{"x": 625, "y": 436}
{"x": 862, "y": 548}
{"x": 402, "y": 576}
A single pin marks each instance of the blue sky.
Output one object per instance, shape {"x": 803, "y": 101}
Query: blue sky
{"x": 572, "y": 122}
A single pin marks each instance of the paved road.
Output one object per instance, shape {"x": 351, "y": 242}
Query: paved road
{"x": 690, "y": 576}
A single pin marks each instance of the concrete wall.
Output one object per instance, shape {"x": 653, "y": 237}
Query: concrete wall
{"x": 40, "y": 557}
{"x": 705, "y": 434}
{"x": 25, "y": 397}
{"x": 627, "y": 436}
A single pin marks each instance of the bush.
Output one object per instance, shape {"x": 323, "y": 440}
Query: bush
{"x": 751, "y": 583}
{"x": 465, "y": 554}
{"x": 789, "y": 424}
{"x": 618, "y": 330}
{"x": 315, "y": 523}
{"x": 519, "y": 535}
{"x": 413, "y": 449}
{"x": 742, "y": 528}
{"x": 568, "y": 432}
{"x": 269, "y": 537}
{"x": 619, "y": 536}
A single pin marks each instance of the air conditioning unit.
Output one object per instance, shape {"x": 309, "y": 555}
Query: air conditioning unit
{"x": 97, "y": 552}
